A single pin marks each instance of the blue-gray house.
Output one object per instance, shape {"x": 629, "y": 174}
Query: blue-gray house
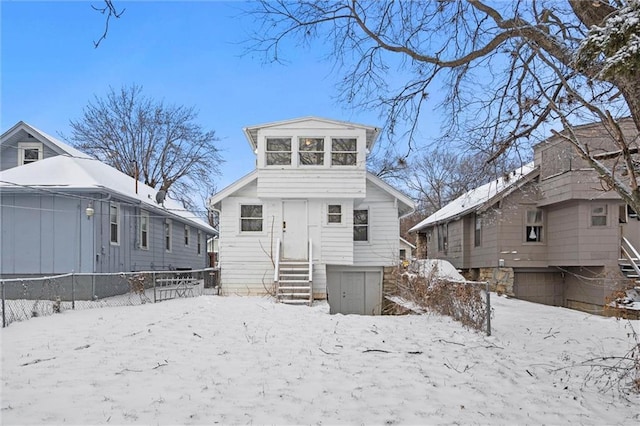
{"x": 67, "y": 212}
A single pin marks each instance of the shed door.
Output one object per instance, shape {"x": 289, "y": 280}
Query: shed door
{"x": 354, "y": 291}
{"x": 294, "y": 230}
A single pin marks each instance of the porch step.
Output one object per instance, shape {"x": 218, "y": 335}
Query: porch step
{"x": 293, "y": 282}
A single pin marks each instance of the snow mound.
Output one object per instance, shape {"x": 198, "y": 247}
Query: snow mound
{"x": 436, "y": 268}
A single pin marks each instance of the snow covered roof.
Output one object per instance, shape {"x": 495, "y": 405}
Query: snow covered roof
{"x": 54, "y": 143}
{"x": 64, "y": 172}
{"x": 475, "y": 198}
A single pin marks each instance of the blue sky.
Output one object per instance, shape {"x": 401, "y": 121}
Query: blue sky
{"x": 187, "y": 53}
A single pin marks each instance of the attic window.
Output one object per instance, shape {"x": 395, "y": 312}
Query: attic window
{"x": 278, "y": 152}
{"x": 311, "y": 151}
{"x": 29, "y": 152}
{"x": 344, "y": 152}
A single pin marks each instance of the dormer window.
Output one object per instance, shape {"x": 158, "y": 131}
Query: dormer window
{"x": 278, "y": 152}
{"x": 29, "y": 152}
{"x": 344, "y": 152}
{"x": 311, "y": 151}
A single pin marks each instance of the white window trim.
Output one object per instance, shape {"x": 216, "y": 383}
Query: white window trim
{"x": 118, "y": 221}
{"x": 541, "y": 225}
{"x": 605, "y": 215}
{"x": 324, "y": 152}
{"x": 170, "y": 236}
{"x": 342, "y": 222}
{"x": 368, "y": 240}
{"x": 331, "y": 152}
{"x": 28, "y": 145}
{"x": 251, "y": 203}
{"x": 145, "y": 215}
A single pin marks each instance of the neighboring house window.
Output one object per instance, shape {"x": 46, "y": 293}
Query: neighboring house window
{"x": 599, "y": 215}
{"x": 478, "y": 231}
{"x": 623, "y": 217}
{"x": 168, "y": 227}
{"x": 187, "y": 234}
{"x": 334, "y": 213}
{"x": 443, "y": 231}
{"x": 403, "y": 254}
{"x": 199, "y": 243}
{"x": 533, "y": 226}
{"x": 144, "y": 230}
{"x": 29, "y": 152}
{"x": 251, "y": 218}
{"x": 361, "y": 225}
{"x": 114, "y": 222}
{"x": 344, "y": 152}
{"x": 278, "y": 151}
{"x": 311, "y": 151}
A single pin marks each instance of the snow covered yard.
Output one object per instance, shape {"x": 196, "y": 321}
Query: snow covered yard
{"x": 241, "y": 360}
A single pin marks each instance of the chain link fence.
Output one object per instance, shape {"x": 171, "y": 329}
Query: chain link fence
{"x": 29, "y": 297}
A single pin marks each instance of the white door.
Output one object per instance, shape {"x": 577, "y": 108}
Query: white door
{"x": 294, "y": 230}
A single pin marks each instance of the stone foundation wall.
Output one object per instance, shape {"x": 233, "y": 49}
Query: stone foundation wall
{"x": 500, "y": 279}
{"x": 389, "y": 283}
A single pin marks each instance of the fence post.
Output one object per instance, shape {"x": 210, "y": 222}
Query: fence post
{"x": 4, "y": 318}
{"x": 73, "y": 291}
{"x": 153, "y": 276}
{"x": 488, "y": 309}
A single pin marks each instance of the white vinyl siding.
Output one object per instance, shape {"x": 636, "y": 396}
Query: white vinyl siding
{"x": 310, "y": 183}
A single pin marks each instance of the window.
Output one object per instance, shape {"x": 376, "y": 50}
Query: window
{"x": 168, "y": 227}
{"x": 361, "y": 225}
{"x": 187, "y": 234}
{"x": 334, "y": 213}
{"x": 278, "y": 152}
{"x": 311, "y": 151}
{"x": 29, "y": 152}
{"x": 344, "y": 152}
{"x": 199, "y": 243}
{"x": 478, "y": 231}
{"x": 144, "y": 230}
{"x": 443, "y": 236}
{"x": 533, "y": 226}
{"x": 251, "y": 218}
{"x": 599, "y": 215}
{"x": 114, "y": 222}
{"x": 403, "y": 254}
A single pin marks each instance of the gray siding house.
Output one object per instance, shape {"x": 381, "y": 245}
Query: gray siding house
{"x": 76, "y": 214}
{"x": 24, "y": 144}
{"x": 549, "y": 232}
{"x": 310, "y": 221}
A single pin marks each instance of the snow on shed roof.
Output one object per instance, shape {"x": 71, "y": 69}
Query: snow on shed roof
{"x": 470, "y": 200}
{"x": 64, "y": 172}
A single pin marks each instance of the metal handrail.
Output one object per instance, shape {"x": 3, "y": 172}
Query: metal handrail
{"x": 310, "y": 271}
{"x": 632, "y": 259}
{"x": 276, "y": 268}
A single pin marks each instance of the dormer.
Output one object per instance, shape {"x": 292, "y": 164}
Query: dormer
{"x": 316, "y": 156}
{"x": 311, "y": 142}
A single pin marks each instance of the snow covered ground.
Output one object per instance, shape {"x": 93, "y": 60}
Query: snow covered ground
{"x": 242, "y": 360}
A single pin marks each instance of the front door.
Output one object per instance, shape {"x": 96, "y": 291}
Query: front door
{"x": 294, "y": 230}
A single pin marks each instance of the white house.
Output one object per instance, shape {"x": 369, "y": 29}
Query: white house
{"x": 310, "y": 221}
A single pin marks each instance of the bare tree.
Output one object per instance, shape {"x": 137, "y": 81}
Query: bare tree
{"x": 109, "y": 10}
{"x": 511, "y": 71}
{"x": 159, "y": 144}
